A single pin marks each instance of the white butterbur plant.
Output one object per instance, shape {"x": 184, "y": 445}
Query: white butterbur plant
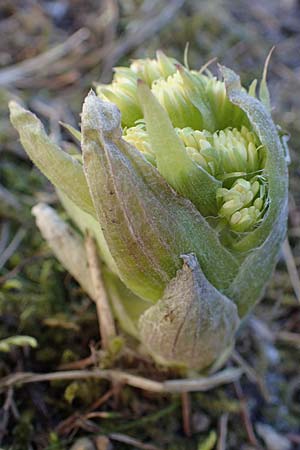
{"x": 182, "y": 182}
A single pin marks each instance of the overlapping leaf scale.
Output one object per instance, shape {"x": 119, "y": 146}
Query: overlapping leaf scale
{"x": 263, "y": 244}
{"x": 146, "y": 225}
{"x": 64, "y": 171}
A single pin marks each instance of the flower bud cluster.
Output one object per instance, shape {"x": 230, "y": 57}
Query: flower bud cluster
{"x": 190, "y": 230}
{"x": 150, "y": 70}
{"x": 232, "y": 156}
{"x": 123, "y": 89}
{"x": 172, "y": 95}
{"x": 243, "y": 204}
{"x": 215, "y": 133}
{"x": 225, "y": 153}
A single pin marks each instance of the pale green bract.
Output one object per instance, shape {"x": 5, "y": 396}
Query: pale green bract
{"x": 187, "y": 202}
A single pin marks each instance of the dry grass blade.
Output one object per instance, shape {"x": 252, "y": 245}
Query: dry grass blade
{"x": 5, "y": 414}
{"x": 222, "y": 432}
{"x": 186, "y": 413}
{"x": 171, "y": 386}
{"x": 105, "y": 317}
{"x": 131, "y": 441}
{"x": 203, "y": 383}
{"x": 150, "y": 27}
{"x": 291, "y": 268}
{"x": 12, "y": 247}
{"x": 9, "y": 204}
{"x": 65, "y": 243}
{"x": 289, "y": 338}
{"x": 246, "y": 415}
{"x": 17, "y": 72}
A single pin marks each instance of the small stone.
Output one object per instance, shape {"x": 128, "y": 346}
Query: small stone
{"x": 200, "y": 422}
{"x": 272, "y": 439}
{"x": 103, "y": 443}
{"x": 83, "y": 444}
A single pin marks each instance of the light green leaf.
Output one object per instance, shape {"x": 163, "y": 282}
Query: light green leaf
{"x": 19, "y": 341}
{"x": 276, "y": 167}
{"x": 195, "y": 91}
{"x": 64, "y": 171}
{"x": 73, "y": 132}
{"x": 263, "y": 244}
{"x": 86, "y": 222}
{"x": 127, "y": 307}
{"x": 181, "y": 172}
{"x": 264, "y": 94}
{"x": 209, "y": 442}
{"x": 66, "y": 244}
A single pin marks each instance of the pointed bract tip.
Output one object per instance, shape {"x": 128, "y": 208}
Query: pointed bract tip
{"x": 160, "y": 52}
{"x": 179, "y": 67}
{"x": 98, "y": 114}
{"x": 189, "y": 260}
{"x": 231, "y": 79}
{"x": 14, "y": 107}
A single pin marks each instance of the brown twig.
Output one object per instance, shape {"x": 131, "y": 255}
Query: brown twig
{"x": 73, "y": 421}
{"x": 79, "y": 364}
{"x": 25, "y": 262}
{"x": 251, "y": 374}
{"x": 105, "y": 317}
{"x": 246, "y": 415}
{"x": 186, "y": 413}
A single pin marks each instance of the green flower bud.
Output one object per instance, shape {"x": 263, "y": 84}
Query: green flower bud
{"x": 225, "y": 112}
{"x": 188, "y": 203}
{"x": 138, "y": 137}
{"x": 243, "y": 204}
{"x": 228, "y": 155}
{"x": 171, "y": 95}
{"x": 150, "y": 70}
{"x": 123, "y": 93}
{"x": 123, "y": 89}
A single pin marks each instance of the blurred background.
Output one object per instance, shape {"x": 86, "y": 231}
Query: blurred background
{"x": 51, "y": 52}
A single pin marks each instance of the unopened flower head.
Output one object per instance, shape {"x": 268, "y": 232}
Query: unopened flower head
{"x": 183, "y": 183}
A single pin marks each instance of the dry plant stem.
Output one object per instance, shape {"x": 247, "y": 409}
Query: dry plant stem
{"x": 5, "y": 415}
{"x": 4, "y": 235}
{"x": 65, "y": 243}
{"x": 105, "y": 318}
{"x": 186, "y": 413}
{"x": 12, "y": 247}
{"x": 245, "y": 415}
{"x": 9, "y": 204}
{"x": 131, "y": 441}
{"x": 19, "y": 71}
{"x": 251, "y": 374}
{"x": 289, "y": 338}
{"x": 223, "y": 432}
{"x": 291, "y": 268}
{"x": 147, "y": 29}
{"x": 170, "y": 386}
